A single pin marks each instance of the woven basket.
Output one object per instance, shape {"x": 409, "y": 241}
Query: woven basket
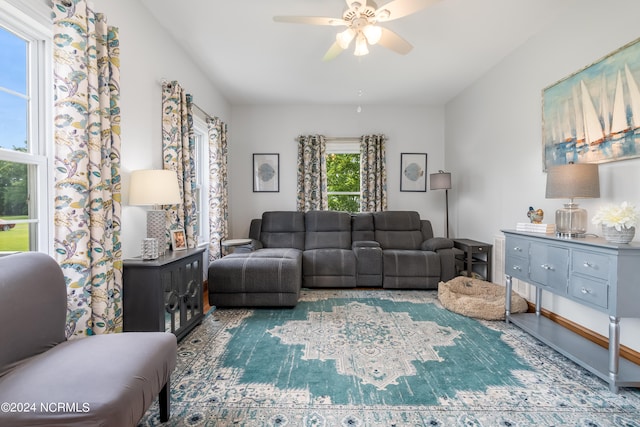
{"x": 625, "y": 235}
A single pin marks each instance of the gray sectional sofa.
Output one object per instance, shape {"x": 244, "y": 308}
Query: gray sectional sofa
{"x": 327, "y": 249}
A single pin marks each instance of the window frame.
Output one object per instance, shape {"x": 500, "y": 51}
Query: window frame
{"x": 201, "y": 137}
{"x": 39, "y": 38}
{"x": 343, "y": 146}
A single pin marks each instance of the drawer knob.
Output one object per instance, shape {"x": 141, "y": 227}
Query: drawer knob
{"x": 517, "y": 249}
{"x": 585, "y": 291}
{"x": 587, "y": 264}
{"x": 546, "y": 267}
{"x": 517, "y": 268}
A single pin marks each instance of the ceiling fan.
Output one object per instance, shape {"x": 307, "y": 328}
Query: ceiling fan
{"x": 361, "y": 19}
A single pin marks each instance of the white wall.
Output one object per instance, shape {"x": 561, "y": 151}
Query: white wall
{"x": 148, "y": 55}
{"x": 273, "y": 129}
{"x": 493, "y": 136}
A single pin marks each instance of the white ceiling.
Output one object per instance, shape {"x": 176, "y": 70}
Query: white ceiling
{"x": 253, "y": 60}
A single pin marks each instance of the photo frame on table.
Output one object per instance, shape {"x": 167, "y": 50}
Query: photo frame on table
{"x": 593, "y": 115}
{"x": 178, "y": 240}
{"x": 266, "y": 172}
{"x": 413, "y": 172}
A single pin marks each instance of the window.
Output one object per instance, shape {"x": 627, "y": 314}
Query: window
{"x": 200, "y": 134}
{"x": 24, "y": 193}
{"x": 343, "y": 176}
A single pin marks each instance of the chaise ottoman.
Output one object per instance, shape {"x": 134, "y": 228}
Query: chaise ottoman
{"x": 269, "y": 277}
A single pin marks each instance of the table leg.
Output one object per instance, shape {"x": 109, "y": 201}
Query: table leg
{"x": 614, "y": 351}
{"x": 507, "y": 302}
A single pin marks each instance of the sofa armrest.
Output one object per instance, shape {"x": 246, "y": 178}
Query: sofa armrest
{"x": 251, "y": 247}
{"x": 365, "y": 244}
{"x": 436, "y": 243}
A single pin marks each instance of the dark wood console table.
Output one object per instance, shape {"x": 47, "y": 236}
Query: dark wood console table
{"x": 163, "y": 294}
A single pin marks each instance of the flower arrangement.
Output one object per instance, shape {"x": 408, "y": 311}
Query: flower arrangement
{"x": 620, "y": 216}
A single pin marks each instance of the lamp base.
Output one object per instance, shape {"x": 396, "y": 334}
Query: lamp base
{"x": 156, "y": 228}
{"x": 571, "y": 221}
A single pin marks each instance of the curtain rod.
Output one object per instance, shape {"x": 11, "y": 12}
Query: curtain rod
{"x": 343, "y": 139}
{"x": 207, "y": 115}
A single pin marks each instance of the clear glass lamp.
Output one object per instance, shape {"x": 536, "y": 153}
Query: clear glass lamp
{"x": 572, "y": 181}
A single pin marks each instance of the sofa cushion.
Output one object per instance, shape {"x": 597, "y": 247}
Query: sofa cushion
{"x": 405, "y": 269}
{"x": 327, "y": 229}
{"x": 362, "y": 227}
{"x": 329, "y": 267}
{"x": 266, "y": 270}
{"x": 398, "y": 229}
{"x": 282, "y": 230}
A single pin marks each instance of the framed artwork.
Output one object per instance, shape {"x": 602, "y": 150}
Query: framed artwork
{"x": 593, "y": 115}
{"x": 266, "y": 172}
{"x": 178, "y": 240}
{"x": 413, "y": 172}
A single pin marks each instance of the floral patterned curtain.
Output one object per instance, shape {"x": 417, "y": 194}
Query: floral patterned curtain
{"x": 312, "y": 173}
{"x": 178, "y": 154}
{"x": 218, "y": 185}
{"x": 373, "y": 174}
{"x": 87, "y": 167}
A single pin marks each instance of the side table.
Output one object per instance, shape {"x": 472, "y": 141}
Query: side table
{"x": 163, "y": 294}
{"x": 474, "y": 254}
{"x": 230, "y": 243}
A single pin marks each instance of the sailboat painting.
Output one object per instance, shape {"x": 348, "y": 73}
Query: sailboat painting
{"x": 593, "y": 115}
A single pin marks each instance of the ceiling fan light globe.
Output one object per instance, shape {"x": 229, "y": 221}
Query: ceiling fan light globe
{"x": 344, "y": 38}
{"x": 373, "y": 33}
{"x": 361, "y": 46}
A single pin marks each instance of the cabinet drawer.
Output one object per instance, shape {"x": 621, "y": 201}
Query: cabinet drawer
{"x": 516, "y": 247}
{"x": 517, "y": 267}
{"x": 590, "y": 263}
{"x": 549, "y": 266}
{"x": 590, "y": 291}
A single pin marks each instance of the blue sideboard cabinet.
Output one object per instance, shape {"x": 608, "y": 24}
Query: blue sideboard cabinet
{"x": 589, "y": 271}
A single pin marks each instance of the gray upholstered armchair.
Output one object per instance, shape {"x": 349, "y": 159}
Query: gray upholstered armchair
{"x": 104, "y": 380}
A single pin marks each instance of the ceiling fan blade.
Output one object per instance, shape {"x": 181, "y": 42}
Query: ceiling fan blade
{"x": 333, "y": 51}
{"x": 312, "y": 20}
{"x": 392, "y": 41}
{"x": 398, "y": 8}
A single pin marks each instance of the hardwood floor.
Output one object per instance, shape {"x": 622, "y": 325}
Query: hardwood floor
{"x": 205, "y": 297}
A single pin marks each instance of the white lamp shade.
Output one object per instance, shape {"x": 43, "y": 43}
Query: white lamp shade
{"x": 154, "y": 187}
{"x": 580, "y": 180}
{"x": 440, "y": 181}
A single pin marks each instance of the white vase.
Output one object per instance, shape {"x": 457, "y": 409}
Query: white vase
{"x": 625, "y": 235}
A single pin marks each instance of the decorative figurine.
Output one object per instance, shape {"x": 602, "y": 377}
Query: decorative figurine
{"x": 535, "y": 215}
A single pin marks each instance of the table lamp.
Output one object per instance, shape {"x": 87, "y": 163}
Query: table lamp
{"x": 572, "y": 181}
{"x": 155, "y": 187}
{"x": 442, "y": 181}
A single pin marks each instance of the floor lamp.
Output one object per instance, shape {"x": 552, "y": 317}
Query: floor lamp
{"x": 155, "y": 188}
{"x": 442, "y": 181}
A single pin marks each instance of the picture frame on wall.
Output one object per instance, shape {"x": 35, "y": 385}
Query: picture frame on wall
{"x": 266, "y": 172}
{"x": 178, "y": 240}
{"x": 593, "y": 115}
{"x": 413, "y": 172}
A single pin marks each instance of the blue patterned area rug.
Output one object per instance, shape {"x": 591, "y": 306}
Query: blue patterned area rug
{"x": 379, "y": 358}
